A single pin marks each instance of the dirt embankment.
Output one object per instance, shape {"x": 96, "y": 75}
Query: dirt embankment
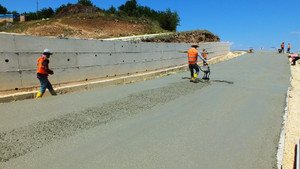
{"x": 186, "y": 37}
{"x": 78, "y": 21}
{"x": 83, "y": 26}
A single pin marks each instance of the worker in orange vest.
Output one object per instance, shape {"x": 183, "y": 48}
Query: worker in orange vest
{"x": 282, "y": 47}
{"x": 192, "y": 60}
{"x": 204, "y": 54}
{"x": 289, "y": 48}
{"x": 42, "y": 73}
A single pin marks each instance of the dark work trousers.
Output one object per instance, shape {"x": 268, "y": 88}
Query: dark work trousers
{"x": 192, "y": 67}
{"x": 45, "y": 84}
{"x": 294, "y": 60}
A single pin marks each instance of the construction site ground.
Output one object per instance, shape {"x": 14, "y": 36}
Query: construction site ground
{"x": 157, "y": 123}
{"x": 81, "y": 27}
{"x": 292, "y": 122}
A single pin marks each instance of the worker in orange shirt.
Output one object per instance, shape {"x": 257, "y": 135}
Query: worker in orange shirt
{"x": 204, "y": 55}
{"x": 193, "y": 54}
{"x": 42, "y": 73}
{"x": 282, "y": 47}
{"x": 289, "y": 48}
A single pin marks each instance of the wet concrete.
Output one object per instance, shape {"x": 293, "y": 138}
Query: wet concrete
{"x": 231, "y": 121}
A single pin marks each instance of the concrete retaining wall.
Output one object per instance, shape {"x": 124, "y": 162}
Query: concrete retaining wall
{"x": 82, "y": 59}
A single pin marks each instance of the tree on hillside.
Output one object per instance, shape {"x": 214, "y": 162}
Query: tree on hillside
{"x": 62, "y": 7}
{"x": 85, "y": 2}
{"x": 112, "y": 10}
{"x": 43, "y": 13}
{"x": 168, "y": 20}
{"x": 32, "y": 15}
{"x": 146, "y": 12}
{"x": 130, "y": 7}
{"x": 46, "y": 13}
{"x": 3, "y": 10}
{"x": 12, "y": 12}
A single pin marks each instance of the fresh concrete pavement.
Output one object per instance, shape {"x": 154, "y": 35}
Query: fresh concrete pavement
{"x": 232, "y": 121}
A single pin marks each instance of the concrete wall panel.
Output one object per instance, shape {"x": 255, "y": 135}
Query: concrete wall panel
{"x": 152, "y": 65}
{"x": 86, "y": 73}
{"x": 64, "y": 75}
{"x": 28, "y": 61}
{"x": 29, "y": 79}
{"x": 83, "y": 59}
{"x": 63, "y": 60}
{"x": 7, "y": 43}
{"x": 150, "y": 47}
{"x": 89, "y": 45}
{"x": 30, "y": 43}
{"x": 121, "y": 58}
{"x": 10, "y": 80}
{"x": 89, "y": 59}
{"x": 126, "y": 69}
{"x": 99, "y": 59}
{"x": 9, "y": 62}
{"x": 125, "y": 47}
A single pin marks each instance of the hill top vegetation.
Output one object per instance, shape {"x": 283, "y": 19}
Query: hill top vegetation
{"x": 85, "y": 20}
{"x": 168, "y": 20}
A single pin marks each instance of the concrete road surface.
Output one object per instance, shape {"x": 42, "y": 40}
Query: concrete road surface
{"x": 232, "y": 121}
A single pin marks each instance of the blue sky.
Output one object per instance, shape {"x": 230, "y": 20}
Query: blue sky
{"x": 243, "y": 23}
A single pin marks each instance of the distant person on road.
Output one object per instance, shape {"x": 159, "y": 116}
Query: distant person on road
{"x": 251, "y": 50}
{"x": 289, "y": 48}
{"x": 204, "y": 55}
{"x": 42, "y": 73}
{"x": 282, "y": 47}
{"x": 294, "y": 58}
{"x": 192, "y": 60}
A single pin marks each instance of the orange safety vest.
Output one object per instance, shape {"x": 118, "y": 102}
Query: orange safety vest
{"x": 192, "y": 56}
{"x": 204, "y": 55}
{"x": 40, "y": 67}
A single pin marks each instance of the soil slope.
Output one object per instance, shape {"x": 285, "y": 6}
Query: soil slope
{"x": 78, "y": 21}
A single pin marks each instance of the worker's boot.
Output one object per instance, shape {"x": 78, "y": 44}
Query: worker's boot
{"x": 195, "y": 75}
{"x": 39, "y": 95}
{"x": 53, "y": 93}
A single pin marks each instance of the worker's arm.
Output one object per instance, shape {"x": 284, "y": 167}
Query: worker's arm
{"x": 46, "y": 64}
{"x": 204, "y": 60}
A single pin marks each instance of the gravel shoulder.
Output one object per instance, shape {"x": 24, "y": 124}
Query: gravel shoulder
{"x": 293, "y": 119}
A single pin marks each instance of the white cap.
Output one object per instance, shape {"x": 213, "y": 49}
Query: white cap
{"x": 47, "y": 51}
